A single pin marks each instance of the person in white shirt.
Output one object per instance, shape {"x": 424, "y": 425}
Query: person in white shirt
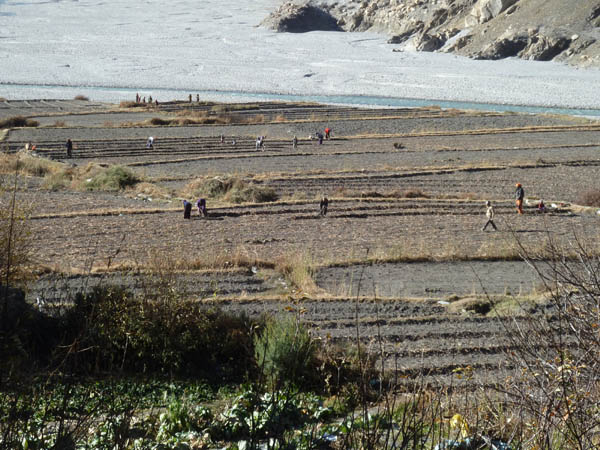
{"x": 490, "y": 216}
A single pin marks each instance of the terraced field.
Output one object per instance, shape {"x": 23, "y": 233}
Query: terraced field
{"x": 399, "y": 249}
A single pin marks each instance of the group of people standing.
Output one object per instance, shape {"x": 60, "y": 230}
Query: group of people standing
{"x": 519, "y": 197}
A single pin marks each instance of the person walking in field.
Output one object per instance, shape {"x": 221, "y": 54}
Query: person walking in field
{"x": 490, "y": 216}
{"x": 69, "y": 147}
{"x": 295, "y": 143}
{"x": 327, "y": 133}
{"x": 150, "y": 142}
{"x": 519, "y": 196}
{"x": 323, "y": 206}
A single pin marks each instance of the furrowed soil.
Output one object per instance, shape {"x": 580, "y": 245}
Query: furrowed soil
{"x": 399, "y": 262}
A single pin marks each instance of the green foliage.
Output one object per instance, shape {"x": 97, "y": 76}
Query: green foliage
{"x": 254, "y": 415}
{"x": 286, "y": 352}
{"x": 166, "y": 335}
{"x": 113, "y": 178}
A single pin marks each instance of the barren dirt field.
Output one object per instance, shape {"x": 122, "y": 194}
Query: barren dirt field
{"x": 401, "y": 245}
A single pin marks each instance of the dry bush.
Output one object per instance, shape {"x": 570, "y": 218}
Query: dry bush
{"x": 16, "y": 240}
{"x": 299, "y": 270}
{"x": 28, "y": 164}
{"x": 59, "y": 124}
{"x": 150, "y": 190}
{"x": 590, "y": 198}
{"x": 18, "y": 121}
{"x": 279, "y": 118}
{"x": 158, "y": 121}
{"x": 129, "y": 104}
{"x": 556, "y": 353}
{"x": 82, "y": 98}
{"x": 231, "y": 189}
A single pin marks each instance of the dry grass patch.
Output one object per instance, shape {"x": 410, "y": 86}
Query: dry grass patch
{"x": 231, "y": 189}
{"x": 82, "y": 98}
{"x": 26, "y": 164}
{"x": 299, "y": 270}
{"x": 590, "y": 198}
{"x": 18, "y": 121}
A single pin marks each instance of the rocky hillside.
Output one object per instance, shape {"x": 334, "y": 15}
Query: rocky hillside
{"x": 543, "y": 30}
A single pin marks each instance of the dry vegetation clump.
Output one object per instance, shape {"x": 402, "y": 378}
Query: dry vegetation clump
{"x": 129, "y": 104}
{"x": 82, "y": 98}
{"x": 59, "y": 124}
{"x": 590, "y": 198}
{"x": 299, "y": 270}
{"x": 230, "y": 189}
{"x": 407, "y": 193}
{"x": 18, "y": 121}
{"x": 27, "y": 164}
{"x": 93, "y": 177}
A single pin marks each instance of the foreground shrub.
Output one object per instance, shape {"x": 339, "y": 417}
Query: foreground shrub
{"x": 163, "y": 335}
{"x": 286, "y": 352}
{"x": 18, "y": 121}
{"x": 82, "y": 98}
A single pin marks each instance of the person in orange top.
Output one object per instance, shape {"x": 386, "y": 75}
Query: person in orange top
{"x": 519, "y": 195}
{"x": 327, "y": 132}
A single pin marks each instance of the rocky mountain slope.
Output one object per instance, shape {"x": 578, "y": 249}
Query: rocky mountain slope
{"x": 543, "y": 30}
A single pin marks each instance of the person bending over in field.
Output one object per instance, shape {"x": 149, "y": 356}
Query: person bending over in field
{"x": 490, "y": 216}
{"x": 201, "y": 205}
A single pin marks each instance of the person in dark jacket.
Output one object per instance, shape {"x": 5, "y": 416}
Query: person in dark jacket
{"x": 323, "y": 206}
{"x": 187, "y": 209}
{"x": 519, "y": 195}
{"x": 69, "y": 146}
{"x": 201, "y": 205}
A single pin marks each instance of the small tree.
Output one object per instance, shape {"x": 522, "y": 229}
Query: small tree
{"x": 286, "y": 351}
{"x": 556, "y": 351}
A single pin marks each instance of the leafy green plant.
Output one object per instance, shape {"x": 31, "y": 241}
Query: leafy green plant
{"x": 286, "y": 352}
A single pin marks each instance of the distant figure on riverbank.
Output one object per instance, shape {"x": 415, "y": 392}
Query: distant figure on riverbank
{"x": 198, "y": 98}
{"x": 519, "y": 196}
{"x": 190, "y": 98}
{"x": 222, "y": 139}
{"x": 150, "y": 99}
{"x": 187, "y": 209}
{"x": 490, "y": 216}
{"x": 201, "y": 205}
{"x": 69, "y": 147}
{"x": 295, "y": 143}
{"x": 323, "y": 206}
{"x": 327, "y": 133}
{"x": 150, "y": 142}
{"x": 541, "y": 207}
{"x": 137, "y": 97}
